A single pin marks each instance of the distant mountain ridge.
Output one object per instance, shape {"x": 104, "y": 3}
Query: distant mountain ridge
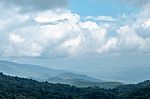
{"x": 28, "y": 71}
{"x": 81, "y": 80}
{"x": 78, "y": 77}
{"x": 41, "y": 73}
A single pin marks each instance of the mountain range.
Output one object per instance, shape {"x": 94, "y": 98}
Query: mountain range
{"x": 41, "y": 73}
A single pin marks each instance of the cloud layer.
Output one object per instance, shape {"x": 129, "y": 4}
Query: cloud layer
{"x": 34, "y": 5}
{"x": 60, "y": 32}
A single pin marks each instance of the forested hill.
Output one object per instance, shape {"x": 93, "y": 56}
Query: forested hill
{"x": 21, "y": 88}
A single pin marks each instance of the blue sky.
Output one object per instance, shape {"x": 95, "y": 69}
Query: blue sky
{"x": 99, "y": 7}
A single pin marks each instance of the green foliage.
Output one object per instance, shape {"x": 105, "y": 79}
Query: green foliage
{"x": 21, "y": 88}
{"x": 134, "y": 91}
{"x": 106, "y": 85}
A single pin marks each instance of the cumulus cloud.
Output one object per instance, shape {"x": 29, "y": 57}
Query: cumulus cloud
{"x": 72, "y": 45}
{"x": 146, "y": 23}
{"x": 56, "y": 16}
{"x": 111, "y": 44}
{"x": 34, "y": 5}
{"x": 16, "y": 38}
{"x": 60, "y": 32}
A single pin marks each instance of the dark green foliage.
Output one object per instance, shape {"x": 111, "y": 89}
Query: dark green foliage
{"x": 21, "y": 88}
{"x": 134, "y": 91}
{"x": 106, "y": 85}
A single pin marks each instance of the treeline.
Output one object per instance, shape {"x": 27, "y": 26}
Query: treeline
{"x": 21, "y": 88}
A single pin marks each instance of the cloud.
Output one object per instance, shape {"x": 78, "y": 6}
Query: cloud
{"x": 34, "y": 5}
{"x": 16, "y": 38}
{"x": 72, "y": 45}
{"x": 17, "y": 46}
{"x": 146, "y": 23}
{"x": 56, "y": 16}
{"x": 60, "y": 32}
{"x": 101, "y": 18}
{"x": 111, "y": 44}
{"x": 128, "y": 38}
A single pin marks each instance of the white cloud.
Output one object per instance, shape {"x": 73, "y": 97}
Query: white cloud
{"x": 88, "y": 25}
{"x": 146, "y": 24}
{"x": 128, "y": 38}
{"x": 16, "y": 38}
{"x": 18, "y": 45}
{"x": 101, "y": 18}
{"x": 56, "y": 15}
{"x": 111, "y": 44}
{"x": 32, "y": 49}
{"x": 62, "y": 32}
{"x": 71, "y": 45}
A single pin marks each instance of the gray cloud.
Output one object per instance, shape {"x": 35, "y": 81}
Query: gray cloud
{"x": 34, "y": 5}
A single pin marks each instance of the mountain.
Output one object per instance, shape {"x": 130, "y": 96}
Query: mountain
{"x": 28, "y": 71}
{"x": 106, "y": 85}
{"x": 83, "y": 77}
{"x": 81, "y": 80}
{"x": 40, "y": 72}
{"x": 52, "y": 75}
{"x": 59, "y": 80}
{"x": 21, "y": 88}
{"x": 68, "y": 78}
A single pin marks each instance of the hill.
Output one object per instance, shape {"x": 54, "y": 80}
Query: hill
{"x": 106, "y": 85}
{"x": 28, "y": 71}
{"x": 81, "y": 80}
{"x": 78, "y": 77}
{"x": 21, "y": 88}
{"x": 41, "y": 73}
{"x": 134, "y": 91}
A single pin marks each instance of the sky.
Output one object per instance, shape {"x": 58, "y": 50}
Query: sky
{"x": 99, "y": 7}
{"x": 107, "y": 36}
